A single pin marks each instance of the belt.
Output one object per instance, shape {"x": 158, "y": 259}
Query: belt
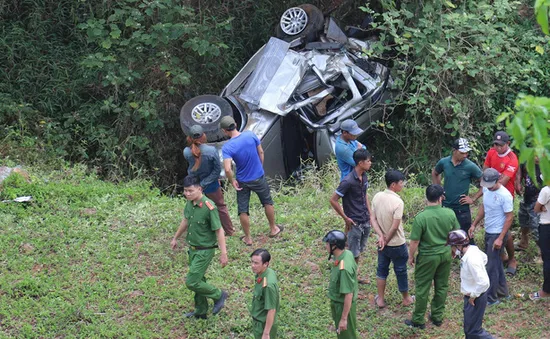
{"x": 200, "y": 248}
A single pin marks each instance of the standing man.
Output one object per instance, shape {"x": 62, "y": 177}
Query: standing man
{"x": 543, "y": 207}
{"x": 459, "y": 172}
{"x": 342, "y": 288}
{"x": 497, "y": 209}
{"x": 433, "y": 264}
{"x": 528, "y": 219}
{"x": 247, "y": 152}
{"x": 346, "y": 144}
{"x": 265, "y": 301}
{"x": 474, "y": 282}
{"x": 356, "y": 212}
{"x": 204, "y": 163}
{"x": 502, "y": 159}
{"x": 387, "y": 215}
{"x": 202, "y": 223}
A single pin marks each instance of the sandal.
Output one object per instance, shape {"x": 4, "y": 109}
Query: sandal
{"x": 242, "y": 239}
{"x": 413, "y": 298}
{"x": 281, "y": 229}
{"x": 511, "y": 271}
{"x": 536, "y": 296}
{"x": 376, "y": 297}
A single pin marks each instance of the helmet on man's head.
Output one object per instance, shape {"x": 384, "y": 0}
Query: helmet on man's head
{"x": 337, "y": 238}
{"x": 458, "y": 238}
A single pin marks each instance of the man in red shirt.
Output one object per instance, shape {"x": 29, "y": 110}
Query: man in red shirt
{"x": 504, "y": 160}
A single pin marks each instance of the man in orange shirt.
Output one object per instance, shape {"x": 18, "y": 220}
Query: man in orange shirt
{"x": 504, "y": 160}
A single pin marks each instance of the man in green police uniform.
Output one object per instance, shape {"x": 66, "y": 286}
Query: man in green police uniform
{"x": 202, "y": 223}
{"x": 342, "y": 289}
{"x": 265, "y": 302}
{"x": 433, "y": 264}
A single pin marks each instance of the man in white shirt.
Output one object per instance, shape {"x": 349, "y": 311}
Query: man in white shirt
{"x": 498, "y": 212}
{"x": 474, "y": 282}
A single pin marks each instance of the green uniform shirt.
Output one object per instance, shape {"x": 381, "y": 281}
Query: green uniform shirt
{"x": 343, "y": 277}
{"x": 457, "y": 180}
{"x": 266, "y": 295}
{"x": 203, "y": 221}
{"x": 431, "y": 227}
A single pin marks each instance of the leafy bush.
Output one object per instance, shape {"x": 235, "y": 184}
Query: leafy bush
{"x": 457, "y": 65}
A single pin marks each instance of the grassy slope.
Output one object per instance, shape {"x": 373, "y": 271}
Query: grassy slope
{"x": 92, "y": 259}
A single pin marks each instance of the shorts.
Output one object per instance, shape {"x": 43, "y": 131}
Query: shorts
{"x": 260, "y": 187}
{"x": 527, "y": 216}
{"x": 357, "y": 238}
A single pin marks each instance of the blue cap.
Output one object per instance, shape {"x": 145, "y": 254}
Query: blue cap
{"x": 351, "y": 127}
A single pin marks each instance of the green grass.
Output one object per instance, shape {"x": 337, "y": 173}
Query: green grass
{"x": 91, "y": 259}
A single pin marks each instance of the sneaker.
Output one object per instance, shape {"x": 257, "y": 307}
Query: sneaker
{"x": 410, "y": 323}
{"x": 493, "y": 303}
{"x": 194, "y": 315}
{"x": 218, "y": 305}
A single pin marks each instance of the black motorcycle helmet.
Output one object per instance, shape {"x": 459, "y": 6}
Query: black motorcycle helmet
{"x": 336, "y": 239}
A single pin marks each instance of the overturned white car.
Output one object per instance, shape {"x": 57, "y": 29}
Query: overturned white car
{"x": 294, "y": 92}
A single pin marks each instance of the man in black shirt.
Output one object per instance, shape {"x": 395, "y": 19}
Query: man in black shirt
{"x": 528, "y": 219}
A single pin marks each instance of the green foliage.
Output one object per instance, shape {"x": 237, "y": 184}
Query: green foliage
{"x": 529, "y": 123}
{"x": 457, "y": 65}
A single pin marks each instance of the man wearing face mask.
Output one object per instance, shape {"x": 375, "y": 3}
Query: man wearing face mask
{"x": 474, "y": 282}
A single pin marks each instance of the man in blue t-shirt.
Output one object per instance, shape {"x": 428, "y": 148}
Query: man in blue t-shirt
{"x": 346, "y": 145}
{"x": 247, "y": 153}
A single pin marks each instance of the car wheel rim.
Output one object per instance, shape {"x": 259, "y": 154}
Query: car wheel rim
{"x": 206, "y": 113}
{"x": 293, "y": 21}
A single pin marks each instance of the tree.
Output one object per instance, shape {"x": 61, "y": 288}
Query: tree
{"x": 529, "y": 122}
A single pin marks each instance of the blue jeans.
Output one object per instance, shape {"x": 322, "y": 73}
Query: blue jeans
{"x": 399, "y": 255}
{"x": 357, "y": 238}
{"x": 495, "y": 269}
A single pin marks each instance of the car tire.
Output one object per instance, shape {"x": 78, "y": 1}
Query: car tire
{"x": 206, "y": 111}
{"x": 310, "y": 32}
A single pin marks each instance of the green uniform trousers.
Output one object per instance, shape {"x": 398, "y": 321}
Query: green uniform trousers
{"x": 430, "y": 268}
{"x": 258, "y": 329}
{"x": 199, "y": 260}
{"x": 336, "y": 309}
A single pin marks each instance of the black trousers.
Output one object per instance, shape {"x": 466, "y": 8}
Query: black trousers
{"x": 473, "y": 318}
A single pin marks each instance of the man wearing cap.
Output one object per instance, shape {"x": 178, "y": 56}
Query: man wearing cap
{"x": 433, "y": 263}
{"x": 459, "y": 172}
{"x": 246, "y": 151}
{"x": 497, "y": 210}
{"x": 504, "y": 160}
{"x": 346, "y": 144}
{"x": 342, "y": 288}
{"x": 204, "y": 163}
